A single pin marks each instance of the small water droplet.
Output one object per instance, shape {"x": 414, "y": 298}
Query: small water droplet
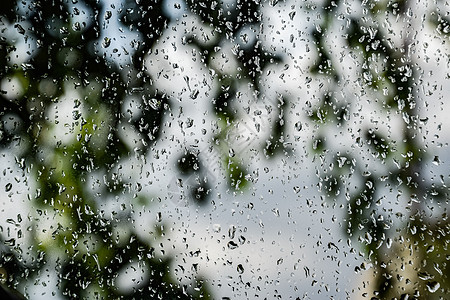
{"x": 240, "y": 269}
{"x": 217, "y": 228}
{"x": 155, "y": 104}
{"x": 389, "y": 243}
{"x": 159, "y": 217}
{"x": 231, "y": 231}
{"x": 108, "y": 15}
{"x": 273, "y": 2}
{"x": 436, "y": 160}
{"x": 292, "y": 15}
{"x": 8, "y": 187}
{"x": 106, "y": 42}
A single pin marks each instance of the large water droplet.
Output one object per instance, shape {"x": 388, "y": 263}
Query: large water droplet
{"x": 232, "y": 245}
{"x": 433, "y": 286}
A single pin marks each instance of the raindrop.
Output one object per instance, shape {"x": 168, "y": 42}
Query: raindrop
{"x": 76, "y": 26}
{"x": 424, "y": 275}
{"x": 292, "y": 15}
{"x": 436, "y": 160}
{"x": 232, "y": 245}
{"x": 108, "y": 15}
{"x": 76, "y": 115}
{"x": 240, "y": 269}
{"x": 10, "y": 242}
{"x": 231, "y": 231}
{"x": 106, "y": 42}
{"x": 433, "y": 286}
{"x": 273, "y": 2}
{"x": 8, "y": 187}
{"x": 155, "y": 104}
{"x": 189, "y": 123}
{"x": 307, "y": 272}
{"x": 159, "y": 217}
{"x": 8, "y": 257}
{"x": 19, "y": 29}
{"x": 276, "y": 212}
{"x": 217, "y": 228}
{"x": 194, "y": 94}
{"x": 388, "y": 243}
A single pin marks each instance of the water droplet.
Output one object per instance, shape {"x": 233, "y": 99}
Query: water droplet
{"x": 433, "y": 286}
{"x": 8, "y": 257}
{"x": 424, "y": 275}
{"x": 76, "y": 26}
{"x": 232, "y": 245}
{"x": 10, "y": 242}
{"x": 389, "y": 243}
{"x": 8, "y": 187}
{"x": 19, "y": 28}
{"x": 217, "y": 228}
{"x": 231, "y": 231}
{"x": 106, "y": 42}
{"x": 292, "y": 15}
{"x": 307, "y": 272}
{"x": 273, "y": 2}
{"x": 159, "y": 217}
{"x": 155, "y": 104}
{"x": 436, "y": 160}
{"x": 108, "y": 15}
{"x": 240, "y": 269}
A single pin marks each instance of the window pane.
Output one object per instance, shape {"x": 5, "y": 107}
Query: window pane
{"x": 224, "y": 149}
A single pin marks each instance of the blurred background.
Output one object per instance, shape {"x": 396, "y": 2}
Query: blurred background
{"x": 224, "y": 149}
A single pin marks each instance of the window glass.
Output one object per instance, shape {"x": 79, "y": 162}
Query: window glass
{"x": 234, "y": 149}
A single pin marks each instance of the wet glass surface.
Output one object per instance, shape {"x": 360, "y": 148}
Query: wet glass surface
{"x": 224, "y": 149}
